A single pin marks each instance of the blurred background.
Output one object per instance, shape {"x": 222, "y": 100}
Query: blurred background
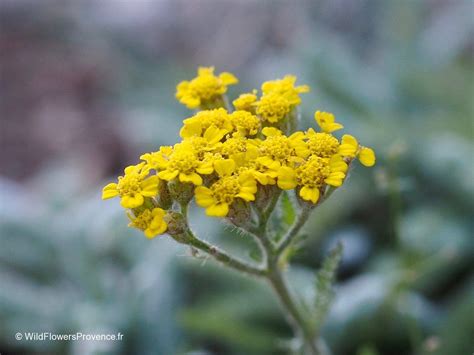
{"x": 87, "y": 86}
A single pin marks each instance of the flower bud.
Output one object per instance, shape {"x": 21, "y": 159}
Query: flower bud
{"x": 264, "y": 195}
{"x": 240, "y": 214}
{"x": 164, "y": 199}
{"x": 181, "y": 191}
{"x": 177, "y": 226}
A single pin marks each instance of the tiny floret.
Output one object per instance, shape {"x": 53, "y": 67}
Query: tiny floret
{"x": 327, "y": 122}
{"x": 205, "y": 90}
{"x": 133, "y": 187}
{"x": 150, "y": 222}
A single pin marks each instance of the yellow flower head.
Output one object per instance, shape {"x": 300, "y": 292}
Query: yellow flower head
{"x": 235, "y": 146}
{"x": 155, "y": 160}
{"x": 351, "y": 148}
{"x": 272, "y": 107}
{"x": 245, "y": 101}
{"x": 285, "y": 87}
{"x": 204, "y": 90}
{"x": 312, "y": 175}
{"x": 200, "y": 122}
{"x": 321, "y": 144}
{"x": 327, "y": 122}
{"x": 245, "y": 123}
{"x": 217, "y": 198}
{"x": 282, "y": 149}
{"x": 133, "y": 187}
{"x": 150, "y": 222}
{"x": 184, "y": 164}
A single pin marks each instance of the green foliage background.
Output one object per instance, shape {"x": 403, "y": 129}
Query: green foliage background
{"x": 89, "y": 85}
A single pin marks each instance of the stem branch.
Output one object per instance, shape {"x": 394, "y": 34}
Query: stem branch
{"x": 293, "y": 231}
{"x": 224, "y": 257}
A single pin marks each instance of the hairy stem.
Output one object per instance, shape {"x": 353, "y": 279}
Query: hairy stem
{"x": 224, "y": 257}
{"x": 294, "y": 229}
{"x": 297, "y": 321}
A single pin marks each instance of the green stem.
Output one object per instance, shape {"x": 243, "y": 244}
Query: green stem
{"x": 217, "y": 253}
{"x": 298, "y": 323}
{"x": 225, "y": 258}
{"x": 293, "y": 231}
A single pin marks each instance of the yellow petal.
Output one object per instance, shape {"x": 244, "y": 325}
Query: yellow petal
{"x": 131, "y": 201}
{"x": 247, "y": 196}
{"x": 335, "y": 179}
{"x": 204, "y": 196}
{"x": 191, "y": 102}
{"x": 219, "y": 210}
{"x": 224, "y": 167}
{"x": 286, "y": 178}
{"x": 205, "y": 168}
{"x": 333, "y": 127}
{"x": 367, "y": 156}
{"x": 214, "y": 134}
{"x": 323, "y": 118}
{"x": 150, "y": 186}
{"x": 348, "y": 139}
{"x": 202, "y": 71}
{"x": 192, "y": 177}
{"x": 309, "y": 194}
{"x": 150, "y": 233}
{"x": 168, "y": 174}
{"x": 271, "y": 131}
{"x": 336, "y": 163}
{"x": 347, "y": 150}
{"x": 228, "y": 78}
{"x": 191, "y": 128}
{"x": 109, "y": 191}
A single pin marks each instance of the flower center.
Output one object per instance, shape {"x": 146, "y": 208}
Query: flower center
{"x": 277, "y": 147}
{"x": 313, "y": 172}
{"x": 129, "y": 184}
{"x": 225, "y": 189}
{"x": 273, "y": 107}
{"x": 206, "y": 87}
{"x": 143, "y": 220}
{"x": 323, "y": 145}
{"x": 183, "y": 161}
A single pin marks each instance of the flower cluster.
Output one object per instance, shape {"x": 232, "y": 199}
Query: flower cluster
{"x": 226, "y": 157}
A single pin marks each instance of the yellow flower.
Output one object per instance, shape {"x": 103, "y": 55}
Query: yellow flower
{"x": 245, "y": 123}
{"x": 155, "y": 160}
{"x": 150, "y": 222}
{"x": 282, "y": 149}
{"x": 133, "y": 187}
{"x": 326, "y": 121}
{"x": 235, "y": 147}
{"x": 312, "y": 175}
{"x": 184, "y": 164}
{"x": 200, "y": 122}
{"x": 263, "y": 169}
{"x": 204, "y": 90}
{"x": 367, "y": 156}
{"x": 285, "y": 87}
{"x": 351, "y": 148}
{"x": 245, "y": 101}
{"x": 322, "y": 144}
{"x": 209, "y": 141}
{"x": 222, "y": 193}
{"x": 272, "y": 107}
